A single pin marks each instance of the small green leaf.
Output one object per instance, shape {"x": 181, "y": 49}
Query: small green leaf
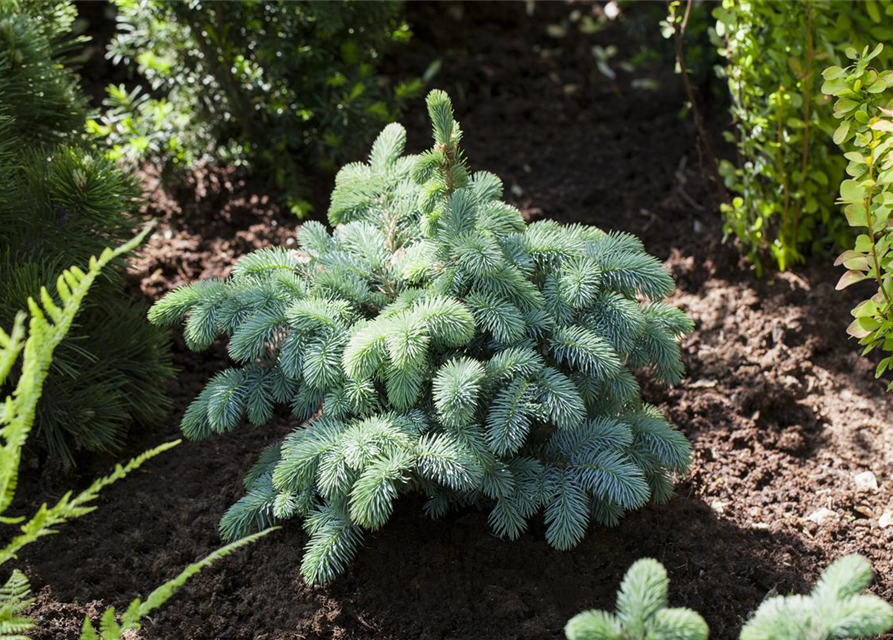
{"x": 850, "y": 277}
{"x": 864, "y": 309}
{"x": 851, "y": 191}
{"x": 835, "y": 87}
{"x": 846, "y": 255}
{"x": 855, "y": 215}
{"x": 857, "y": 263}
{"x": 877, "y": 86}
{"x": 845, "y": 105}
{"x": 857, "y": 330}
{"x": 841, "y": 133}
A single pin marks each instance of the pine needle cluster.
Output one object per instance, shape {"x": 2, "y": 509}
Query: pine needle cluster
{"x": 60, "y": 203}
{"x": 36, "y": 88}
{"x": 837, "y": 609}
{"x": 436, "y": 343}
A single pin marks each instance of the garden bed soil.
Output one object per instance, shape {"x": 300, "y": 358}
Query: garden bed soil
{"x": 780, "y": 409}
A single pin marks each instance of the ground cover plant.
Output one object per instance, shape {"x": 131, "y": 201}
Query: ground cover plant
{"x": 836, "y": 608}
{"x": 276, "y": 84}
{"x": 782, "y": 180}
{"x": 47, "y": 328}
{"x": 61, "y": 202}
{"x": 452, "y": 350}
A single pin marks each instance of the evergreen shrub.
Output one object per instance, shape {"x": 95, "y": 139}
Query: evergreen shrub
{"x": 438, "y": 344}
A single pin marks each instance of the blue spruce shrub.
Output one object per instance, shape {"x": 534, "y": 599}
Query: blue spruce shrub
{"x": 436, "y": 343}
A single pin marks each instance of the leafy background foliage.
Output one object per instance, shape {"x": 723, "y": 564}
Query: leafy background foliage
{"x": 276, "y": 84}
{"x": 866, "y": 130}
{"x": 782, "y": 207}
{"x": 451, "y": 349}
{"x": 59, "y": 205}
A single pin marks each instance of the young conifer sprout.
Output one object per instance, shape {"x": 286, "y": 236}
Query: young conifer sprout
{"x": 642, "y": 611}
{"x": 837, "y": 609}
{"x": 436, "y": 343}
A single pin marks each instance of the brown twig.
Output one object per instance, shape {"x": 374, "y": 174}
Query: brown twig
{"x": 807, "y": 103}
{"x": 678, "y": 32}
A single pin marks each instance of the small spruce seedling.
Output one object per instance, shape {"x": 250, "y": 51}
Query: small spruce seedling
{"x": 438, "y": 344}
{"x": 642, "y": 612}
{"x": 837, "y": 609}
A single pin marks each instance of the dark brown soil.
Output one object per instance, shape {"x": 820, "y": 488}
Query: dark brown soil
{"x": 781, "y": 410}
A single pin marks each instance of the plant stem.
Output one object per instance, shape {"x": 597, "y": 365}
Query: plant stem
{"x": 780, "y": 167}
{"x": 877, "y": 266}
{"x": 678, "y": 32}
{"x": 807, "y": 105}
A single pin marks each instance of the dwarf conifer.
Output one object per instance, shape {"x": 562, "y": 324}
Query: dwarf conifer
{"x": 436, "y": 343}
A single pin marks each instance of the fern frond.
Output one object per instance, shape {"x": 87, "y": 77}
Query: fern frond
{"x": 15, "y": 597}
{"x": 48, "y": 326}
{"x": 45, "y": 521}
{"x": 166, "y": 591}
